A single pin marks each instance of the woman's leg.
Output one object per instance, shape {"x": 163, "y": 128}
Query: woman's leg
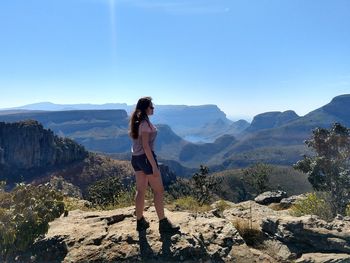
{"x": 141, "y": 187}
{"x": 158, "y": 191}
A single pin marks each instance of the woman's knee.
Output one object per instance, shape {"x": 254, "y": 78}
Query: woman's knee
{"x": 159, "y": 191}
{"x": 140, "y": 192}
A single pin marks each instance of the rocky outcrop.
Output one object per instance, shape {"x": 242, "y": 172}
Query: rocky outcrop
{"x": 29, "y": 151}
{"x": 270, "y": 197}
{"x": 27, "y": 145}
{"x": 309, "y": 234}
{"x": 287, "y": 238}
{"x": 291, "y": 200}
{"x": 110, "y": 236}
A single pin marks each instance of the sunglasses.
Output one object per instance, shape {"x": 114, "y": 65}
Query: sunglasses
{"x": 151, "y": 107}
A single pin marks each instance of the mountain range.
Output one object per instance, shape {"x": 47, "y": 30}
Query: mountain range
{"x": 194, "y": 123}
{"x": 272, "y": 137}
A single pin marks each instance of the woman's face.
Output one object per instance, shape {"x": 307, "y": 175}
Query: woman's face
{"x": 150, "y": 109}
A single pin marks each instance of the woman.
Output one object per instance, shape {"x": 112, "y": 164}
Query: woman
{"x": 144, "y": 162}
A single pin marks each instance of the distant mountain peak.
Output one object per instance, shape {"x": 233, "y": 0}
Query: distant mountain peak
{"x": 339, "y": 106}
{"x": 271, "y": 119}
{"x": 343, "y": 97}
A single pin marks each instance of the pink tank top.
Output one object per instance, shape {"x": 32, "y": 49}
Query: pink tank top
{"x": 137, "y": 148}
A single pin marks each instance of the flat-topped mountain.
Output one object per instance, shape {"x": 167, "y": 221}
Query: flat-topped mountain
{"x": 270, "y": 120}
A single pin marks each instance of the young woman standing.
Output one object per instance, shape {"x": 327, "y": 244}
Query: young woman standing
{"x": 144, "y": 162}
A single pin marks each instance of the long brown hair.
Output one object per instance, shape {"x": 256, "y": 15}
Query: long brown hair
{"x": 139, "y": 114}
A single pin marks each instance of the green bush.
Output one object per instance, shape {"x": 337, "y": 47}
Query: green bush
{"x": 201, "y": 187}
{"x": 109, "y": 193}
{"x": 258, "y": 176}
{"x": 104, "y": 192}
{"x": 314, "y": 204}
{"x": 328, "y": 169}
{"x": 180, "y": 188}
{"x": 25, "y": 213}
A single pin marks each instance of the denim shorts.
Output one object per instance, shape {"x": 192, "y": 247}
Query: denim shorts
{"x": 141, "y": 163}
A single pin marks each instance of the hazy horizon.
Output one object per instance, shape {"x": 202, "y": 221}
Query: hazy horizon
{"x": 236, "y": 117}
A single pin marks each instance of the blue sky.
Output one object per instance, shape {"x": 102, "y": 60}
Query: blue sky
{"x": 248, "y": 56}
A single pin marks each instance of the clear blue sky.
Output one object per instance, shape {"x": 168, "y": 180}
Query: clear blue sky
{"x": 247, "y": 56}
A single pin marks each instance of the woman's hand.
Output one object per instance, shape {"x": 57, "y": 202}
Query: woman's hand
{"x": 156, "y": 171}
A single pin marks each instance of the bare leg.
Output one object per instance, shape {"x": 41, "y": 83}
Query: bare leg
{"x": 141, "y": 186}
{"x": 158, "y": 191}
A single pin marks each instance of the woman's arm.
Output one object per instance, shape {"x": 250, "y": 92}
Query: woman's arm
{"x": 148, "y": 152}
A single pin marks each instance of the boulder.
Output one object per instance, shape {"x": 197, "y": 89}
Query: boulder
{"x": 309, "y": 234}
{"x": 269, "y": 197}
{"x": 289, "y": 201}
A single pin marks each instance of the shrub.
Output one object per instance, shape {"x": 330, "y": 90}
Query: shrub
{"x": 201, "y": 187}
{"x": 180, "y": 188}
{"x": 314, "y": 204}
{"x": 104, "y": 192}
{"x": 25, "y": 213}
{"x": 258, "y": 176}
{"x": 329, "y": 169}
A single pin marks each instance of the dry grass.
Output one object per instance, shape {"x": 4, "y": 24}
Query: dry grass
{"x": 188, "y": 203}
{"x": 250, "y": 232}
{"x": 276, "y": 207}
{"x": 221, "y": 205}
{"x": 72, "y": 203}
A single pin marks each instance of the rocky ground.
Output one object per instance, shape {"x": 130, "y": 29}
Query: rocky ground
{"x": 266, "y": 235}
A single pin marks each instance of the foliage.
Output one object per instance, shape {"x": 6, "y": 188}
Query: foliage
{"x": 286, "y": 178}
{"x": 201, "y": 187}
{"x": 257, "y": 176}
{"x": 24, "y": 215}
{"x": 110, "y": 193}
{"x": 180, "y": 188}
{"x": 204, "y": 185}
{"x": 105, "y": 191}
{"x": 329, "y": 169}
{"x": 315, "y": 204}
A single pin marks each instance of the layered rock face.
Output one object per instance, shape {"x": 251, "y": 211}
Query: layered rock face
{"x": 27, "y": 145}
